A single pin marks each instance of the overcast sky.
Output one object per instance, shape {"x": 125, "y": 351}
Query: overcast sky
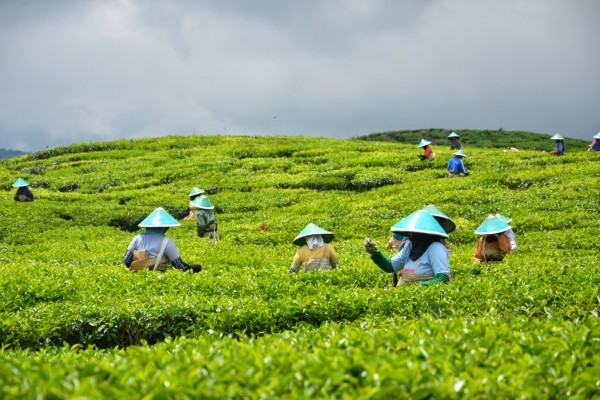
{"x": 78, "y": 71}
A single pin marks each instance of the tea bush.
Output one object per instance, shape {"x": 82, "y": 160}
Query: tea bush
{"x": 76, "y": 323}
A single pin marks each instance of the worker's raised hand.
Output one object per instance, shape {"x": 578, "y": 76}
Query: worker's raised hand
{"x": 371, "y": 246}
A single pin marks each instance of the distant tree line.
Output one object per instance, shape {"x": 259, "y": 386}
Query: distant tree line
{"x": 477, "y": 138}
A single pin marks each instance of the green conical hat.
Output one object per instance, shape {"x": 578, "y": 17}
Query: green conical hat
{"x": 460, "y": 153}
{"x": 424, "y": 143}
{"x": 203, "y": 202}
{"x": 557, "y": 136}
{"x": 20, "y": 182}
{"x": 506, "y": 220}
{"x": 491, "y": 226}
{"x": 195, "y": 191}
{"x": 453, "y": 135}
{"x": 442, "y": 219}
{"x": 312, "y": 229}
{"x": 419, "y": 222}
{"x": 159, "y": 218}
{"x": 596, "y": 136}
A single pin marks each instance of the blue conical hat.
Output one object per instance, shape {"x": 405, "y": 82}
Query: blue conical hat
{"x": 557, "y": 136}
{"x": 442, "y": 219}
{"x": 460, "y": 153}
{"x": 506, "y": 220}
{"x": 596, "y": 136}
{"x": 20, "y": 183}
{"x": 203, "y": 202}
{"x": 159, "y": 218}
{"x": 195, "y": 191}
{"x": 312, "y": 229}
{"x": 424, "y": 143}
{"x": 453, "y": 135}
{"x": 491, "y": 226}
{"x": 419, "y": 222}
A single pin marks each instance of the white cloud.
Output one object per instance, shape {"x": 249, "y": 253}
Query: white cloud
{"x": 78, "y": 71}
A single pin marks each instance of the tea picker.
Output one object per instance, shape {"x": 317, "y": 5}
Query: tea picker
{"x": 428, "y": 151}
{"x": 315, "y": 252}
{"x": 456, "y": 165}
{"x": 196, "y": 192}
{"x": 424, "y": 258}
{"x": 206, "y": 221}
{"x": 152, "y": 249}
{"x": 559, "y": 145}
{"x": 595, "y": 145}
{"x": 454, "y": 141}
{"x": 23, "y": 192}
{"x": 495, "y": 240}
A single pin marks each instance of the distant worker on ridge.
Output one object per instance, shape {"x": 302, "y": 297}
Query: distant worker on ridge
{"x": 428, "y": 154}
{"x": 454, "y": 141}
{"x": 315, "y": 251}
{"x": 456, "y": 165}
{"x": 595, "y": 145}
{"x": 23, "y": 192}
{"x": 152, "y": 249}
{"x": 559, "y": 146}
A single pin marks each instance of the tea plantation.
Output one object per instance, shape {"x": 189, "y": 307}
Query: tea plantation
{"x": 75, "y": 323}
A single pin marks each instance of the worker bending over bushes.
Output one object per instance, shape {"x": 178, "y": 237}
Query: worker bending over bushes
{"x": 152, "y": 249}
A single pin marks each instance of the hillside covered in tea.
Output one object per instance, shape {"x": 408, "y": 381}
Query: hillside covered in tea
{"x": 75, "y": 323}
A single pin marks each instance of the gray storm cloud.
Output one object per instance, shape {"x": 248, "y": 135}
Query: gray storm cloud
{"x": 88, "y": 71}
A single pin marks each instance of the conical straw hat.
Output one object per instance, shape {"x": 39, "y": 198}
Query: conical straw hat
{"x": 20, "y": 183}
{"x": 203, "y": 202}
{"x": 557, "y": 136}
{"x": 506, "y": 220}
{"x": 424, "y": 143}
{"x": 453, "y": 135}
{"x": 460, "y": 153}
{"x": 159, "y": 218}
{"x": 195, "y": 191}
{"x": 419, "y": 222}
{"x": 445, "y": 221}
{"x": 491, "y": 226}
{"x": 596, "y": 136}
{"x": 312, "y": 229}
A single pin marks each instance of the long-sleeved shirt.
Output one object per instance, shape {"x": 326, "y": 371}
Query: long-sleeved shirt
{"x": 433, "y": 261}
{"x": 204, "y": 219}
{"x": 151, "y": 243}
{"x": 323, "y": 257}
{"x": 492, "y": 249}
{"x": 456, "y": 165}
{"x": 428, "y": 154}
{"x": 455, "y": 145}
{"x": 513, "y": 240}
{"x": 559, "y": 147}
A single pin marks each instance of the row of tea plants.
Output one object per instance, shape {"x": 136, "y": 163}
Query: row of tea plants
{"x": 76, "y": 323}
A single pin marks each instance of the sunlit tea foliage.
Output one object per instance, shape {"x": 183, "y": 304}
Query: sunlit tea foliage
{"x": 76, "y": 323}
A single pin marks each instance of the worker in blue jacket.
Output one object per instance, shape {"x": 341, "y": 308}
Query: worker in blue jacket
{"x": 456, "y": 165}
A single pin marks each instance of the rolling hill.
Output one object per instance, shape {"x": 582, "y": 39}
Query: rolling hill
{"x": 75, "y": 323}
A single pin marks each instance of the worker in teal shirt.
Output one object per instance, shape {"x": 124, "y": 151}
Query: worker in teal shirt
{"x": 424, "y": 258}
